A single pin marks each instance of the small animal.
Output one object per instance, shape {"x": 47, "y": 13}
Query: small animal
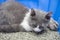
{"x": 15, "y": 17}
{"x": 38, "y": 21}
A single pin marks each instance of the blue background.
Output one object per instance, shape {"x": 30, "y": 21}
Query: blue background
{"x": 46, "y": 5}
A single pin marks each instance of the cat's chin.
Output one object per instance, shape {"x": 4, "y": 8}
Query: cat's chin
{"x": 39, "y": 31}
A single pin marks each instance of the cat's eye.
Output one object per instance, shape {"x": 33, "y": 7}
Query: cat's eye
{"x": 34, "y": 25}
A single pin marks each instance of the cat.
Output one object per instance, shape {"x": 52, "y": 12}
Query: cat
{"x": 15, "y": 17}
{"x": 38, "y": 20}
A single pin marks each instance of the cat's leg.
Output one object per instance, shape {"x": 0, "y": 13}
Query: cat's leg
{"x": 53, "y": 25}
{"x": 11, "y": 28}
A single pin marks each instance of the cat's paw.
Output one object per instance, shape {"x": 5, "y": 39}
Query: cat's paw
{"x": 53, "y": 25}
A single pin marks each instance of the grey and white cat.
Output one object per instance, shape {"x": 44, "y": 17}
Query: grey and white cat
{"x": 38, "y": 21}
{"x": 15, "y": 17}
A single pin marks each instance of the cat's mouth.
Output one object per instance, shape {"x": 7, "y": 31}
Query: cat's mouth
{"x": 38, "y": 29}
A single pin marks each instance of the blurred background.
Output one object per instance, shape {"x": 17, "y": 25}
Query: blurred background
{"x": 46, "y": 5}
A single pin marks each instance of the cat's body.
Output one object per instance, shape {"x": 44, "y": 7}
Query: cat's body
{"x": 15, "y": 17}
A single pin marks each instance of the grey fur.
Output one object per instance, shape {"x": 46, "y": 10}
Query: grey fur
{"x": 12, "y": 14}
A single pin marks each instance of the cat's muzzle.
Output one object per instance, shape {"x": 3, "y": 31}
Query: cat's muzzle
{"x": 39, "y": 30}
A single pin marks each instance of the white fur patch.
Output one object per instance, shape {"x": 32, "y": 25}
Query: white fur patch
{"x": 37, "y": 29}
{"x": 25, "y": 23}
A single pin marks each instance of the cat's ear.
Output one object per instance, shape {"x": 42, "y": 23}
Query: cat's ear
{"x": 48, "y": 16}
{"x": 32, "y": 12}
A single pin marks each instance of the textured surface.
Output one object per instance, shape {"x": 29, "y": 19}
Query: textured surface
{"x": 29, "y": 36}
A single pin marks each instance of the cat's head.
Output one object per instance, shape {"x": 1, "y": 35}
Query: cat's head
{"x": 39, "y": 19}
